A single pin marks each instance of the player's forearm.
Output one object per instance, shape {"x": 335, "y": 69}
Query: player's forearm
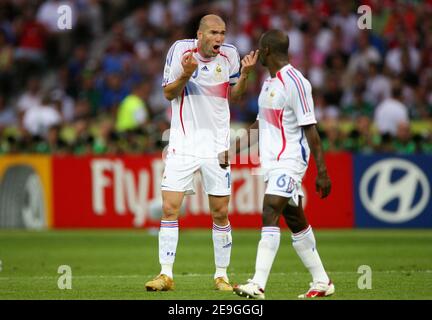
{"x": 239, "y": 88}
{"x": 248, "y": 139}
{"x": 175, "y": 89}
{"x": 314, "y": 142}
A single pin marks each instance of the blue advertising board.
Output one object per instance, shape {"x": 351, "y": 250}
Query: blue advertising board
{"x": 393, "y": 191}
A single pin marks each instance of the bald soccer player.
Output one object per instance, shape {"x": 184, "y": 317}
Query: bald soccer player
{"x": 200, "y": 77}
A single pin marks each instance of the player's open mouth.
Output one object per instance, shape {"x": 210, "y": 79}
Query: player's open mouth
{"x": 216, "y": 48}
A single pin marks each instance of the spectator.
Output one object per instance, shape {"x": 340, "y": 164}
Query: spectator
{"x": 310, "y": 51}
{"x": 39, "y": 119}
{"x": 30, "y": 98}
{"x": 386, "y": 144}
{"x": 358, "y": 107}
{"x": 31, "y": 44}
{"x": 89, "y": 92}
{"x": 76, "y": 66}
{"x": 403, "y": 143}
{"x": 347, "y": 21}
{"x": 365, "y": 139}
{"x": 107, "y": 141}
{"x": 7, "y": 114}
{"x": 391, "y": 112}
{"x": 332, "y": 95}
{"x": 53, "y": 143}
{"x": 380, "y": 17}
{"x": 136, "y": 24}
{"x": 133, "y": 112}
{"x": 426, "y": 146}
{"x": 115, "y": 58}
{"x": 113, "y": 91}
{"x": 31, "y": 36}
{"x": 91, "y": 17}
{"x": 364, "y": 55}
{"x": 294, "y": 34}
{"x": 378, "y": 86}
{"x": 64, "y": 104}
{"x": 403, "y": 54}
{"x": 83, "y": 140}
{"x": 6, "y": 64}
{"x": 332, "y": 140}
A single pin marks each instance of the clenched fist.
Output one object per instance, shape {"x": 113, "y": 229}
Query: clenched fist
{"x": 189, "y": 64}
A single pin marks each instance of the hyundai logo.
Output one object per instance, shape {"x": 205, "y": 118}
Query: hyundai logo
{"x": 410, "y": 192}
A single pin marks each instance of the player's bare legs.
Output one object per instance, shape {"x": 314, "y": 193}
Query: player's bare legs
{"x": 171, "y": 204}
{"x": 222, "y": 240}
{"x": 168, "y": 239}
{"x": 305, "y": 245}
{"x": 295, "y": 217}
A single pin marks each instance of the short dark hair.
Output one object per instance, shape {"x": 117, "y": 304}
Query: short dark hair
{"x": 277, "y": 42}
{"x": 396, "y": 91}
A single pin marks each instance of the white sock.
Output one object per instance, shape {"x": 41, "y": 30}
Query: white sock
{"x": 305, "y": 246}
{"x": 168, "y": 239}
{"x": 267, "y": 249}
{"x": 222, "y": 243}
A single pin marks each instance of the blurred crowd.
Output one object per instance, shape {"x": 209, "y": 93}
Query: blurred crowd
{"x": 96, "y": 88}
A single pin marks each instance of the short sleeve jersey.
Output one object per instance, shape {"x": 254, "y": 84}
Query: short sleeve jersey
{"x": 200, "y": 123}
{"x": 285, "y": 105}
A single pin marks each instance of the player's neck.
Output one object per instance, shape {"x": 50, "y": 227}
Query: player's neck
{"x": 201, "y": 53}
{"x": 275, "y": 65}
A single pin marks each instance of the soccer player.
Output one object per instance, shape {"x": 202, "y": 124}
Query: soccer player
{"x": 287, "y": 134}
{"x": 200, "y": 76}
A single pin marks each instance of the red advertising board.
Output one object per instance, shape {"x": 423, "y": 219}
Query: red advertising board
{"x": 337, "y": 210}
{"x": 123, "y": 192}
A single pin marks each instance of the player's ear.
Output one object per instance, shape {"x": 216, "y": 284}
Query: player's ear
{"x": 262, "y": 54}
{"x": 199, "y": 35}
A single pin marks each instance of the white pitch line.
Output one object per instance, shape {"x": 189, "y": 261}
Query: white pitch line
{"x": 203, "y": 275}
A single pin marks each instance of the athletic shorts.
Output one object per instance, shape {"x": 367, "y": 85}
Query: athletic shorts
{"x": 180, "y": 170}
{"x": 285, "y": 182}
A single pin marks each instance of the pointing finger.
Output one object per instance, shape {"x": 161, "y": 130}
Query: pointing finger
{"x": 255, "y": 58}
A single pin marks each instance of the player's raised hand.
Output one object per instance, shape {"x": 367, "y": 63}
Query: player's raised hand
{"x": 323, "y": 185}
{"x": 189, "y": 63}
{"x": 249, "y": 61}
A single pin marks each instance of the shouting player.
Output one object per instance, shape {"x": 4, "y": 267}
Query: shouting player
{"x": 200, "y": 76}
{"x": 287, "y": 135}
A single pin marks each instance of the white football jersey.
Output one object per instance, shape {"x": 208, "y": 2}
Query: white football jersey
{"x": 200, "y": 123}
{"x": 285, "y": 105}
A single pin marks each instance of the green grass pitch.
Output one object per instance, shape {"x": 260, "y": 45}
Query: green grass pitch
{"x": 109, "y": 264}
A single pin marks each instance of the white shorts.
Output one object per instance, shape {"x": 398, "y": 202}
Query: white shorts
{"x": 285, "y": 183}
{"x": 179, "y": 173}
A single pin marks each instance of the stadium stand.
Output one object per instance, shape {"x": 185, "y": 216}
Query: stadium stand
{"x": 70, "y": 84}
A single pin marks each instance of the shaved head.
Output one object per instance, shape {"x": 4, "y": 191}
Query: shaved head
{"x": 211, "y": 35}
{"x": 208, "y": 20}
{"x": 276, "y": 41}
